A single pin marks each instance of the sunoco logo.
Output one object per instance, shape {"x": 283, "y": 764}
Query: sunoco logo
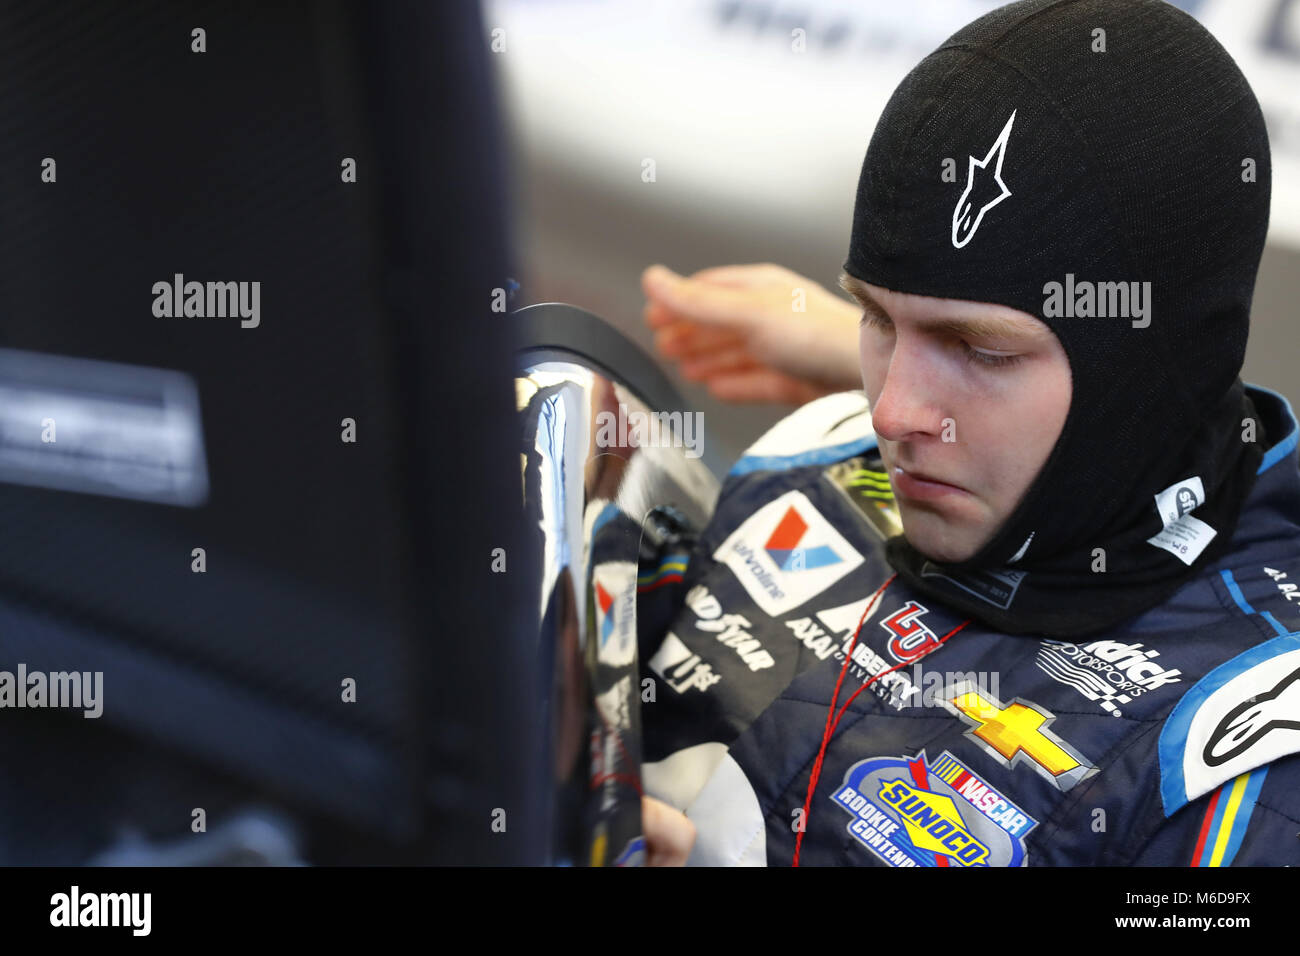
{"x": 1109, "y": 672}
{"x": 910, "y": 812}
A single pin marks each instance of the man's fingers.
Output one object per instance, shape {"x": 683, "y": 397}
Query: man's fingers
{"x": 669, "y": 834}
{"x": 658, "y": 316}
{"x": 716, "y": 362}
{"x": 764, "y": 385}
{"x": 683, "y": 340}
{"x": 738, "y": 275}
{"x": 698, "y": 300}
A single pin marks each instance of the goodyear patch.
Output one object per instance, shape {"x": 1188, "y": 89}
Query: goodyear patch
{"x": 910, "y": 812}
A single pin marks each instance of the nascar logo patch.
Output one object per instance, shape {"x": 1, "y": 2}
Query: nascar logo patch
{"x": 910, "y": 812}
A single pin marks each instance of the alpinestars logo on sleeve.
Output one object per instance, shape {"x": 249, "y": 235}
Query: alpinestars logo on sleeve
{"x": 980, "y": 188}
{"x": 1242, "y": 715}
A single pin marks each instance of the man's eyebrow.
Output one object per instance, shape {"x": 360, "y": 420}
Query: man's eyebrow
{"x": 983, "y": 328}
{"x": 975, "y": 327}
{"x": 853, "y": 287}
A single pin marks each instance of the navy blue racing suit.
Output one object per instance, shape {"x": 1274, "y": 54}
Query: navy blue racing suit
{"x": 1173, "y": 739}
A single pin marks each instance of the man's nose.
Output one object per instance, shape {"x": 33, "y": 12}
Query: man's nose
{"x": 906, "y": 406}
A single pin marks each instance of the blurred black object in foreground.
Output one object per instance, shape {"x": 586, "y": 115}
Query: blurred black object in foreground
{"x": 326, "y": 560}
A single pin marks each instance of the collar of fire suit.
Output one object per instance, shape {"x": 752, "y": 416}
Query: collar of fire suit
{"x": 1101, "y": 583}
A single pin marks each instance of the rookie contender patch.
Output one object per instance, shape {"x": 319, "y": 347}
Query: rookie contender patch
{"x": 909, "y": 812}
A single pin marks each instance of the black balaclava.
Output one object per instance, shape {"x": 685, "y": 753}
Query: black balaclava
{"x": 1094, "y": 141}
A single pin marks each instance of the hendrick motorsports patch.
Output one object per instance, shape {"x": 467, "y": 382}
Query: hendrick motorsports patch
{"x": 909, "y": 812}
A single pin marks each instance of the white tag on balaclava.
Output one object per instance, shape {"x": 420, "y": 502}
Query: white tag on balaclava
{"x": 1183, "y": 536}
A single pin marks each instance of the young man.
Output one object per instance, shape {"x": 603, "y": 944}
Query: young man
{"x": 1031, "y": 598}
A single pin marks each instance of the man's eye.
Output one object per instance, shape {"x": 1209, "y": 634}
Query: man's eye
{"x": 985, "y": 358}
{"x": 881, "y": 323}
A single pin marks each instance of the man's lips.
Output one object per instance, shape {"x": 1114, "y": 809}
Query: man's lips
{"x": 908, "y": 483}
{"x": 926, "y": 476}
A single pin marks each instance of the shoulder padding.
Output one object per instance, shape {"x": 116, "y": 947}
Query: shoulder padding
{"x": 826, "y": 430}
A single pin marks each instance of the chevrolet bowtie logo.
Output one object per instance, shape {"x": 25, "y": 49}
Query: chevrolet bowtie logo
{"x": 1018, "y": 733}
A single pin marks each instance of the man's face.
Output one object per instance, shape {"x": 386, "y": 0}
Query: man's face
{"x": 968, "y": 400}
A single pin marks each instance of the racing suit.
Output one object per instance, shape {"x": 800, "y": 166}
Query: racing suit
{"x": 1172, "y": 739}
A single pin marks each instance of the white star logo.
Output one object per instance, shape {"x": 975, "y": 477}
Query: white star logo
{"x": 965, "y": 220}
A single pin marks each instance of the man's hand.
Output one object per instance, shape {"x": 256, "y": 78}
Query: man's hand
{"x": 735, "y": 329}
{"x": 669, "y": 834}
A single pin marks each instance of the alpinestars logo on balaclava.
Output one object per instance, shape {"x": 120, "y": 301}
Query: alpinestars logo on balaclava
{"x": 966, "y": 217}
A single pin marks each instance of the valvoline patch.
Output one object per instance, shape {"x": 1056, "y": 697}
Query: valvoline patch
{"x": 909, "y": 812}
